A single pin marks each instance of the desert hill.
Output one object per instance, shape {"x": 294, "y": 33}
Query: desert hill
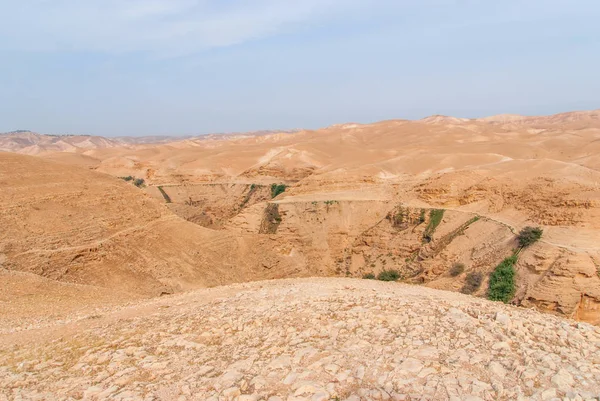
{"x": 69, "y": 232}
{"x": 307, "y": 339}
{"x": 360, "y": 199}
{"x": 345, "y": 181}
{"x": 109, "y": 252}
{"x": 32, "y": 143}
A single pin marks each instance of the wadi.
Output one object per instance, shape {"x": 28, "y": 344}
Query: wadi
{"x": 442, "y": 258}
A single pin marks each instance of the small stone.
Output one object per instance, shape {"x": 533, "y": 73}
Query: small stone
{"x": 231, "y": 392}
{"x": 411, "y": 365}
{"x": 497, "y": 369}
{"x": 549, "y": 394}
{"x": 563, "y": 380}
{"x": 504, "y": 320}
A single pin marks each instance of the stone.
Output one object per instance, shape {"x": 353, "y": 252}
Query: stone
{"x": 411, "y": 365}
{"x": 563, "y": 380}
{"x": 504, "y": 320}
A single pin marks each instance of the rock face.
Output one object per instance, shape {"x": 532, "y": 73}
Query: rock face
{"x": 307, "y": 339}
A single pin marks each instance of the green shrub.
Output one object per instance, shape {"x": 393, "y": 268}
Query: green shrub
{"x": 435, "y": 218}
{"x": 472, "y": 283}
{"x": 138, "y": 182}
{"x": 529, "y": 235}
{"x": 369, "y": 276}
{"x": 128, "y": 178}
{"x": 398, "y": 218}
{"x": 457, "y": 269}
{"x": 502, "y": 281}
{"x": 277, "y": 189}
{"x": 422, "y": 216}
{"x": 389, "y": 275}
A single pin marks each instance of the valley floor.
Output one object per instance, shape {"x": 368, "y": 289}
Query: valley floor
{"x": 305, "y": 339}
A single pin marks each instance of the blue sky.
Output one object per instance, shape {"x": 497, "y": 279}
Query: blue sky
{"x": 152, "y": 67}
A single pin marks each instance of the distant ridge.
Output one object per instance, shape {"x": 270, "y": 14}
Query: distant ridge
{"x": 32, "y": 143}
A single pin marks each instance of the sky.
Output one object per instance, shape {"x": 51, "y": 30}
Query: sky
{"x": 183, "y": 67}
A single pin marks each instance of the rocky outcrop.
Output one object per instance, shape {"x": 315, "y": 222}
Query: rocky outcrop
{"x": 315, "y": 339}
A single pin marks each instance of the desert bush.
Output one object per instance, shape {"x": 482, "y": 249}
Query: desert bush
{"x": 128, "y": 178}
{"x": 457, "y": 269}
{"x": 529, "y": 235}
{"x": 472, "y": 283}
{"x": 277, "y": 189}
{"x": 138, "y": 182}
{"x": 369, "y": 276}
{"x": 502, "y": 285}
{"x": 435, "y": 218}
{"x": 389, "y": 275}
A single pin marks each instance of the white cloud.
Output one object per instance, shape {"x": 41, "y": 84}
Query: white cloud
{"x": 156, "y": 26}
{"x": 180, "y": 27}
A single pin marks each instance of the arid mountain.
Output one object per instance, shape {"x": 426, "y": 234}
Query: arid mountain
{"x": 31, "y": 143}
{"x": 107, "y": 250}
{"x": 418, "y": 197}
{"x": 70, "y": 233}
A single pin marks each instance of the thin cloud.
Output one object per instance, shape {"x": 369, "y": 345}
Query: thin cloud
{"x": 156, "y": 26}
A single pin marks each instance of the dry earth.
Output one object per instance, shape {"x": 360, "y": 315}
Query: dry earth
{"x": 337, "y": 217}
{"x": 84, "y": 256}
{"x": 306, "y": 339}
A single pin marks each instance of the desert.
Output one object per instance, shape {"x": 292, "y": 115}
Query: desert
{"x": 237, "y": 267}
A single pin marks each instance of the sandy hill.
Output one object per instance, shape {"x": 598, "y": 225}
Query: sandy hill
{"x": 310, "y": 339}
{"x": 347, "y": 182}
{"x": 32, "y": 143}
{"x": 85, "y": 257}
{"x": 70, "y": 236}
{"x": 360, "y": 199}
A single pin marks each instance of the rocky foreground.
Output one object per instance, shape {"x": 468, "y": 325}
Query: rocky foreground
{"x": 310, "y": 339}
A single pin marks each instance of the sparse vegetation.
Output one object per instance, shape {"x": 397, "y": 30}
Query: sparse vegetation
{"x": 277, "y": 189}
{"x": 271, "y": 219}
{"x": 422, "y": 216}
{"x": 435, "y": 218}
{"x": 457, "y": 269}
{"x": 529, "y": 235}
{"x": 164, "y": 194}
{"x": 138, "y": 182}
{"x": 472, "y": 283}
{"x": 369, "y": 276}
{"x": 389, "y": 275}
{"x": 398, "y": 217}
{"x": 251, "y": 192}
{"x": 502, "y": 285}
